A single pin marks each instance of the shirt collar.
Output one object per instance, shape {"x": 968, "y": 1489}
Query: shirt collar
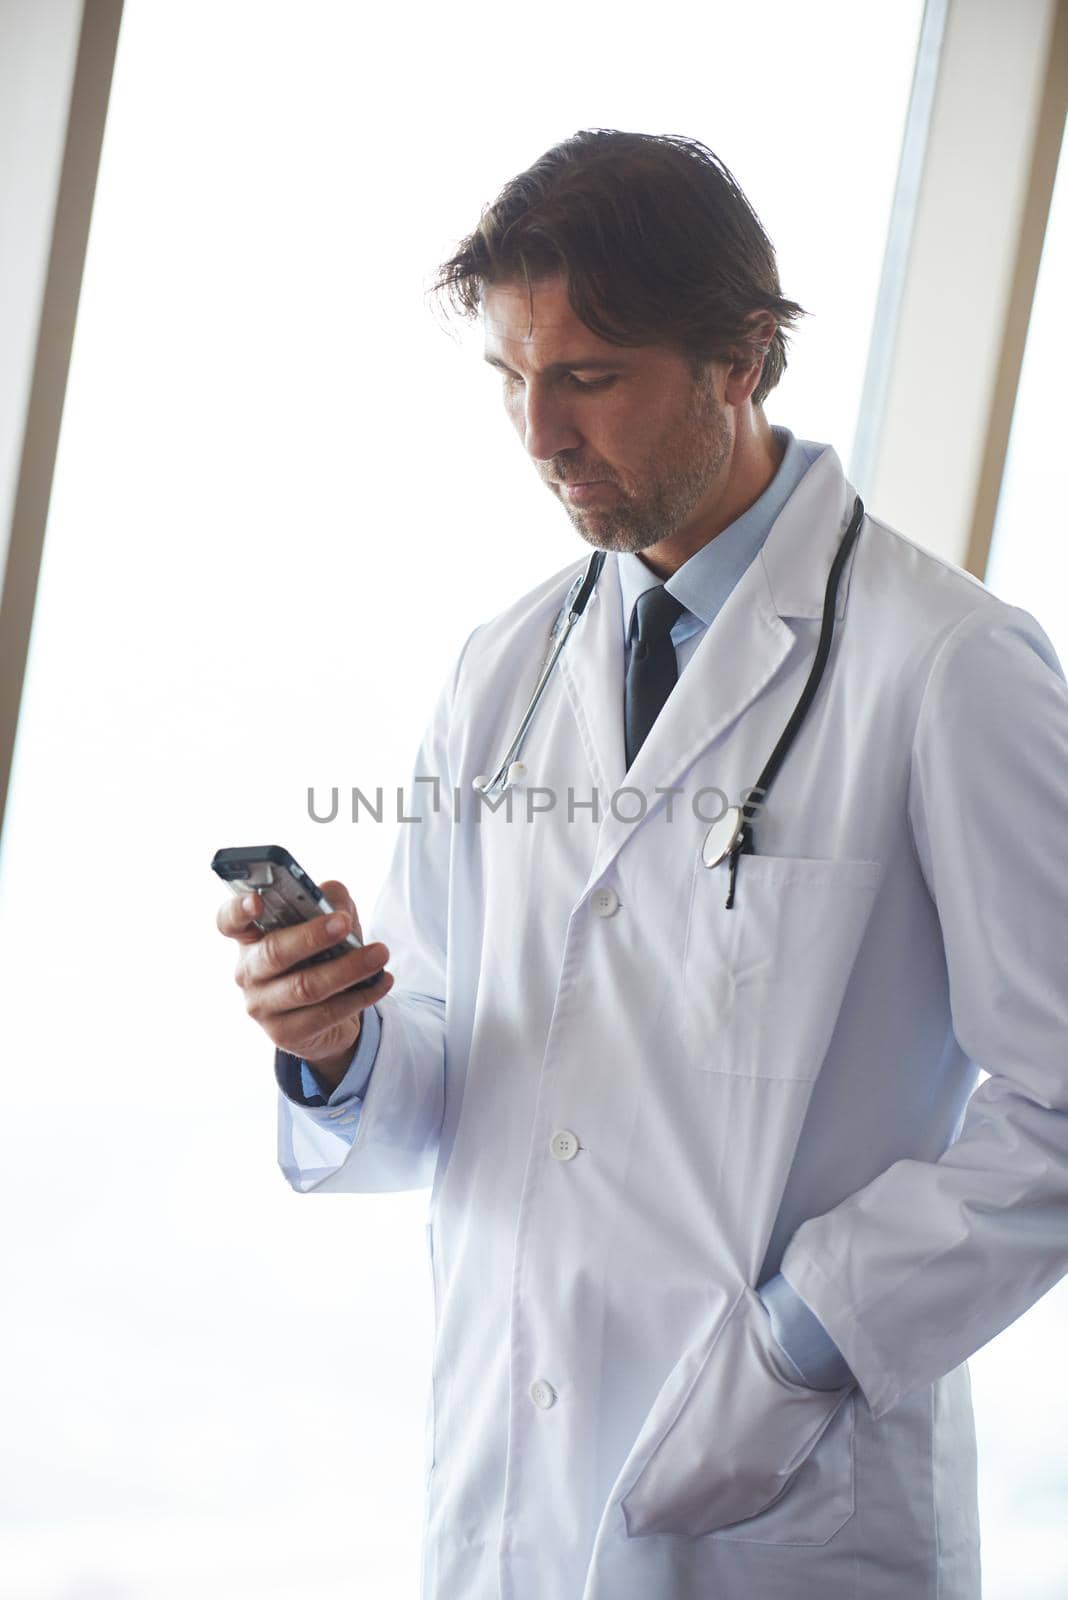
{"x": 704, "y": 581}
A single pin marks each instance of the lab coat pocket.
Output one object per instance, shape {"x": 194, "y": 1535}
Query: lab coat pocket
{"x": 764, "y": 981}
{"x": 734, "y": 1450}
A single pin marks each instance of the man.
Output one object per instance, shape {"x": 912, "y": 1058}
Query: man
{"x": 718, "y": 1212}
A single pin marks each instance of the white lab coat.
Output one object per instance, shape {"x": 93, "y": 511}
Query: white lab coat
{"x": 792, "y": 1082}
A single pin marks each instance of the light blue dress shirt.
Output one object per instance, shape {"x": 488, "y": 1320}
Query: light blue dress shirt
{"x": 702, "y": 584}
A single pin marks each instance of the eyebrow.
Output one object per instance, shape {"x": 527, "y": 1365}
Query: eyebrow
{"x": 592, "y": 365}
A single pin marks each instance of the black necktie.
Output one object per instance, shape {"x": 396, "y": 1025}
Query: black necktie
{"x": 653, "y": 669}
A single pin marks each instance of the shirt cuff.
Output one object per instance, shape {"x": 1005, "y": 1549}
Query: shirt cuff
{"x": 801, "y": 1336}
{"x": 297, "y": 1081}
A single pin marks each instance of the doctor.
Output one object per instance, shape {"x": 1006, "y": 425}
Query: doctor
{"x": 719, "y": 1207}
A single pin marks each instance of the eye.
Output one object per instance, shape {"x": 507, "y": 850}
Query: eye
{"x": 592, "y": 383}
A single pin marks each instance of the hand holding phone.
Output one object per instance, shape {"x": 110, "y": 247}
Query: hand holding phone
{"x": 305, "y": 983}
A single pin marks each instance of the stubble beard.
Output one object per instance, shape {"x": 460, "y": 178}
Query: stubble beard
{"x": 673, "y": 487}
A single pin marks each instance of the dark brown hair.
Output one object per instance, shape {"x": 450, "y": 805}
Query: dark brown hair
{"x": 657, "y": 242}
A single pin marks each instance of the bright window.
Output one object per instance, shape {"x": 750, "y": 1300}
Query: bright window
{"x": 1028, "y": 563}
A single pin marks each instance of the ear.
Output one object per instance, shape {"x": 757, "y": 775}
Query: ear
{"x": 743, "y": 372}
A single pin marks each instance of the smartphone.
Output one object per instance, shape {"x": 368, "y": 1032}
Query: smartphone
{"x": 289, "y": 896}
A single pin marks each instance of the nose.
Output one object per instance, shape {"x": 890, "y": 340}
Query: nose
{"x": 545, "y": 423}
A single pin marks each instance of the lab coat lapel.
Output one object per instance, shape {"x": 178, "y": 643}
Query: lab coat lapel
{"x": 739, "y": 655}
{"x": 592, "y": 668}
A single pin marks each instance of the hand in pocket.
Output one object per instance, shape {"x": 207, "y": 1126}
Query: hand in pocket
{"x": 726, "y": 1433}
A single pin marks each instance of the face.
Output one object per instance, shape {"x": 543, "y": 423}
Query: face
{"x": 635, "y": 447}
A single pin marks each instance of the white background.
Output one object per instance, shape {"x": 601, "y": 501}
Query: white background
{"x": 284, "y": 497}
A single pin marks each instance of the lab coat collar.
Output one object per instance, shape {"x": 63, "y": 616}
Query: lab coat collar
{"x": 799, "y": 549}
{"x": 739, "y": 655}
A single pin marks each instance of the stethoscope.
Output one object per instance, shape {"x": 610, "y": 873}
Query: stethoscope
{"x": 732, "y": 834}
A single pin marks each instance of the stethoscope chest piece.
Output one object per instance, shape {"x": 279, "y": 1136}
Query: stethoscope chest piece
{"x": 722, "y": 837}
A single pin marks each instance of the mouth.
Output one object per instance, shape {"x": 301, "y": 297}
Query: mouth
{"x": 581, "y": 493}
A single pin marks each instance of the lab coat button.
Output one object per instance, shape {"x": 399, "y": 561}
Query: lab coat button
{"x": 343, "y": 1121}
{"x": 605, "y": 902}
{"x": 564, "y": 1145}
{"x": 543, "y": 1394}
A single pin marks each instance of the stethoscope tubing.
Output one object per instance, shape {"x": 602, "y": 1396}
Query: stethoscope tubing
{"x": 741, "y": 840}
{"x": 578, "y": 606}
{"x": 743, "y": 844}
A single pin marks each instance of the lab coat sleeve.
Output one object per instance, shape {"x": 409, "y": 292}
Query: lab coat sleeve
{"x": 394, "y": 1142}
{"x": 917, "y": 1270}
